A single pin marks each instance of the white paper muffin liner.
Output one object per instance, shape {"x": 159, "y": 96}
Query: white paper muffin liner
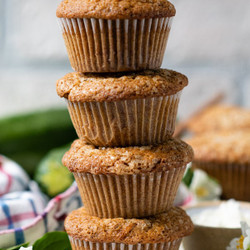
{"x": 99, "y": 45}
{"x": 234, "y": 178}
{"x": 86, "y": 245}
{"x": 129, "y": 196}
{"x": 125, "y": 123}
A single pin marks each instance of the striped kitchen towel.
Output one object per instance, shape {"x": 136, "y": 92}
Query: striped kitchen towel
{"x": 12, "y": 177}
{"x": 51, "y": 219}
{"x": 20, "y": 208}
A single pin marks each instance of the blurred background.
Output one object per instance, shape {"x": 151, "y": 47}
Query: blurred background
{"x": 209, "y": 42}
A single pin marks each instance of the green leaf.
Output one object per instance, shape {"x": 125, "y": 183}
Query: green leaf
{"x": 17, "y": 247}
{"x": 188, "y": 177}
{"x": 52, "y": 241}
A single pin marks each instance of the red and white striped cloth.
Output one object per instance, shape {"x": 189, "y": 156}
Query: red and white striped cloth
{"x": 25, "y": 214}
{"x": 20, "y": 208}
{"x": 51, "y": 219}
{"x": 12, "y": 177}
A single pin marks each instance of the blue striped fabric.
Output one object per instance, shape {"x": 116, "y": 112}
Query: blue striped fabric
{"x": 6, "y": 210}
{"x": 51, "y": 219}
{"x": 45, "y": 220}
{"x": 19, "y": 235}
{"x": 20, "y": 208}
{"x": 33, "y": 206}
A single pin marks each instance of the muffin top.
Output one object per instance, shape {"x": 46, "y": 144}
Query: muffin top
{"x": 222, "y": 146}
{"x": 165, "y": 227}
{"x": 115, "y": 9}
{"x": 131, "y": 160}
{"x": 220, "y": 117}
{"x": 78, "y": 87}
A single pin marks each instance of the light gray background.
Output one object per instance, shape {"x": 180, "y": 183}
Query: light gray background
{"x": 209, "y": 42}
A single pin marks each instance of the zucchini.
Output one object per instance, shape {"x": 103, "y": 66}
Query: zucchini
{"x": 27, "y": 138}
{"x": 51, "y": 175}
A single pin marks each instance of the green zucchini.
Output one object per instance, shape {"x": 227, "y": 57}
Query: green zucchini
{"x": 28, "y": 137}
{"x": 51, "y": 175}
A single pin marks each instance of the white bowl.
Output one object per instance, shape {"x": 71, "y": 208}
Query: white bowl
{"x": 211, "y": 238}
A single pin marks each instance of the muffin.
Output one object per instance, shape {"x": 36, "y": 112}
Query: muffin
{"x": 226, "y": 157}
{"x": 115, "y": 35}
{"x": 128, "y": 182}
{"x": 220, "y": 117}
{"x": 123, "y": 109}
{"x": 163, "y": 231}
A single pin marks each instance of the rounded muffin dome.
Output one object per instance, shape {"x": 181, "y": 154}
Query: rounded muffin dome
{"x": 165, "y": 227}
{"x": 115, "y": 9}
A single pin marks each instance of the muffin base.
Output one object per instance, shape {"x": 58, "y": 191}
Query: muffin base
{"x": 234, "y": 178}
{"x": 77, "y": 244}
{"x": 129, "y": 196}
{"x": 99, "y": 45}
{"x": 125, "y": 123}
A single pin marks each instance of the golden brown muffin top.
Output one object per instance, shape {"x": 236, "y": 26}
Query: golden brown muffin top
{"x": 128, "y": 160}
{"x": 165, "y": 227}
{"x": 77, "y": 87}
{"x": 220, "y": 117}
{"x": 222, "y": 146}
{"x": 115, "y": 9}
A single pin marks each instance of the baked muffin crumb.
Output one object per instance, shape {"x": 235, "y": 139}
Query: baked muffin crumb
{"x": 115, "y": 9}
{"x": 220, "y": 117}
{"x": 78, "y": 87}
{"x": 222, "y": 146}
{"x": 165, "y": 227}
{"x": 127, "y": 160}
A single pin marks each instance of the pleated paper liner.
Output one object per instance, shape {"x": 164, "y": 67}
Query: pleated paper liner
{"x": 77, "y": 244}
{"x": 234, "y": 178}
{"x": 99, "y": 45}
{"x": 125, "y": 123}
{"x": 129, "y": 196}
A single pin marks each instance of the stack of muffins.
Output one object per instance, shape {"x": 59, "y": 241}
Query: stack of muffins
{"x": 123, "y": 107}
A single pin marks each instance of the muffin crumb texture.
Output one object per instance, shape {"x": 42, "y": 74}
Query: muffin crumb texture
{"x": 220, "y": 117}
{"x": 165, "y": 227}
{"x": 131, "y": 160}
{"x": 222, "y": 146}
{"x": 78, "y": 87}
{"x": 115, "y": 9}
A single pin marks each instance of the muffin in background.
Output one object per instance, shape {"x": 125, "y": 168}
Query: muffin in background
{"x": 136, "y": 108}
{"x": 128, "y": 182}
{"x": 115, "y": 36}
{"x": 220, "y": 117}
{"x": 225, "y": 155}
{"x": 163, "y": 231}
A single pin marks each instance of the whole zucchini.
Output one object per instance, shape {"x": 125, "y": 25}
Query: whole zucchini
{"x": 28, "y": 137}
